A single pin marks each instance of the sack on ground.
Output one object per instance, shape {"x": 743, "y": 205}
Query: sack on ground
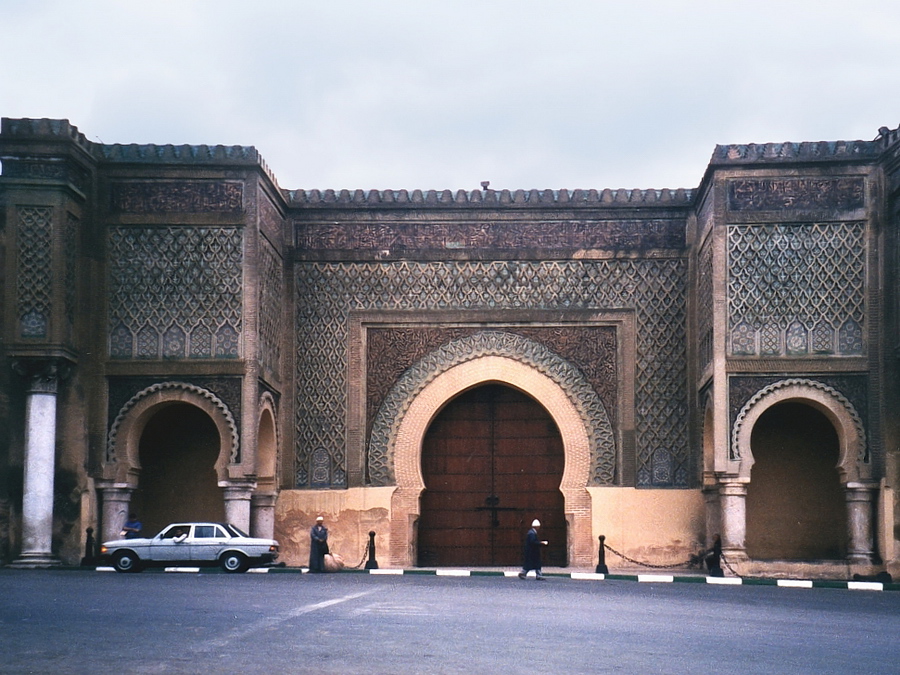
{"x": 333, "y": 562}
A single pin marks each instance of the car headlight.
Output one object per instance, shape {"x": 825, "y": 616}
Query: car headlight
{"x": 273, "y": 549}
{"x": 103, "y": 549}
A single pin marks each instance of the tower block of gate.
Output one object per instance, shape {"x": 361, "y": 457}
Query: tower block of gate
{"x": 794, "y": 329}
{"x": 184, "y": 339}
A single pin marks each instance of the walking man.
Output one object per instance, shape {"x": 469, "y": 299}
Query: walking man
{"x": 532, "y": 553}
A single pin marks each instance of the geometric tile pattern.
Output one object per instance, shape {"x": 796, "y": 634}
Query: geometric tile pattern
{"x": 796, "y": 290}
{"x": 175, "y": 292}
{"x": 705, "y": 303}
{"x": 271, "y": 287}
{"x": 33, "y": 277}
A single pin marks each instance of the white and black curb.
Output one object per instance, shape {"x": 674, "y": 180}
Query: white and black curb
{"x": 578, "y": 576}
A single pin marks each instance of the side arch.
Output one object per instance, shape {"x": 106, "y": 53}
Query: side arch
{"x": 853, "y": 463}
{"x": 406, "y": 444}
{"x": 123, "y": 442}
{"x": 268, "y": 442}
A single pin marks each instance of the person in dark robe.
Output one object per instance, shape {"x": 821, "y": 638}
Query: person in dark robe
{"x": 714, "y": 558}
{"x": 532, "y": 553}
{"x": 318, "y": 545}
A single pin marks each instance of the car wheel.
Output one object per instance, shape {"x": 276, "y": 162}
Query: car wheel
{"x": 234, "y": 561}
{"x": 126, "y": 561}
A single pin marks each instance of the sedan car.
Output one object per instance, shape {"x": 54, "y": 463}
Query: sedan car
{"x": 196, "y": 544}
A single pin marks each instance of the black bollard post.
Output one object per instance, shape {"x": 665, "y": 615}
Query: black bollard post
{"x": 601, "y": 559}
{"x": 89, "y": 559}
{"x": 371, "y": 563}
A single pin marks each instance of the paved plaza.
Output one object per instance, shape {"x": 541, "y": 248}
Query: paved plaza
{"x": 72, "y": 621}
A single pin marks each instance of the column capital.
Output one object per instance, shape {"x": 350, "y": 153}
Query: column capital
{"x": 42, "y": 374}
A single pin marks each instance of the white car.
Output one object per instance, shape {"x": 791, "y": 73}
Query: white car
{"x": 196, "y": 544}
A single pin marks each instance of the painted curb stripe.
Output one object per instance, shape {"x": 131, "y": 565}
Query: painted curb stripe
{"x": 865, "y": 586}
{"x": 388, "y": 571}
{"x": 794, "y": 583}
{"x": 725, "y": 581}
{"x": 651, "y": 578}
{"x": 453, "y": 573}
{"x": 590, "y": 576}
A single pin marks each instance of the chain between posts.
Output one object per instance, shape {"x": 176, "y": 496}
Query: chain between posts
{"x": 693, "y": 561}
{"x": 686, "y": 563}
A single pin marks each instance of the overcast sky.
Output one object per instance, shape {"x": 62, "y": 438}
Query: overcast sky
{"x": 443, "y": 94}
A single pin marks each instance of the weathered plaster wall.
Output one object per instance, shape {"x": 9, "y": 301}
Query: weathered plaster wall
{"x": 653, "y": 526}
{"x": 349, "y": 516}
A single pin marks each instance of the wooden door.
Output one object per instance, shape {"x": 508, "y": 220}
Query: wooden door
{"x": 492, "y": 461}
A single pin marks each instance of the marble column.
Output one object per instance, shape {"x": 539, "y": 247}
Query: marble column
{"x": 733, "y": 505}
{"x": 713, "y": 514}
{"x": 237, "y": 503}
{"x": 860, "y": 507}
{"x": 40, "y": 464}
{"x": 116, "y": 502}
{"x": 262, "y": 515}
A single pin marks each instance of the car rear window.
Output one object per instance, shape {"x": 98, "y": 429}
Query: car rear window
{"x": 235, "y": 532}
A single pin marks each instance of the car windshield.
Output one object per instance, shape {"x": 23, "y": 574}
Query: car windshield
{"x": 234, "y": 531}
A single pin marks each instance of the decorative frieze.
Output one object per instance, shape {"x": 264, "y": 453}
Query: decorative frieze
{"x": 777, "y": 194}
{"x": 176, "y": 197}
{"x": 47, "y": 169}
{"x": 568, "y": 234}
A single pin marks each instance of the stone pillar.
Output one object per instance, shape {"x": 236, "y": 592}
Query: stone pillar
{"x": 860, "y": 506}
{"x": 116, "y": 502}
{"x": 713, "y": 514}
{"x": 733, "y": 504}
{"x": 262, "y": 515}
{"x": 40, "y": 464}
{"x": 237, "y": 503}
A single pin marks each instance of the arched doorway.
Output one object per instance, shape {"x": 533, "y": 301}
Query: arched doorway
{"x": 796, "y": 508}
{"x": 178, "y": 451}
{"x": 492, "y": 461}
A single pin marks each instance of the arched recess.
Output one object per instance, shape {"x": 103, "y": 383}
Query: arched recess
{"x": 796, "y": 505}
{"x": 123, "y": 444}
{"x": 853, "y": 466}
{"x": 262, "y": 501}
{"x": 406, "y": 445}
{"x": 267, "y": 445}
{"x": 853, "y": 462}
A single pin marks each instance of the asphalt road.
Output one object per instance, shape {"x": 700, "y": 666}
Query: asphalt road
{"x": 87, "y": 622}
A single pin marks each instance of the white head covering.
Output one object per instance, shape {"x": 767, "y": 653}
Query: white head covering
{"x": 319, "y": 519}
{"x": 535, "y": 523}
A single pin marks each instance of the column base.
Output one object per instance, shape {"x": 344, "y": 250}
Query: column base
{"x": 28, "y": 561}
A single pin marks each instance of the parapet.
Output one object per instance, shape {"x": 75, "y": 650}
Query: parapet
{"x": 769, "y": 153}
{"x": 499, "y": 198}
{"x": 37, "y": 129}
